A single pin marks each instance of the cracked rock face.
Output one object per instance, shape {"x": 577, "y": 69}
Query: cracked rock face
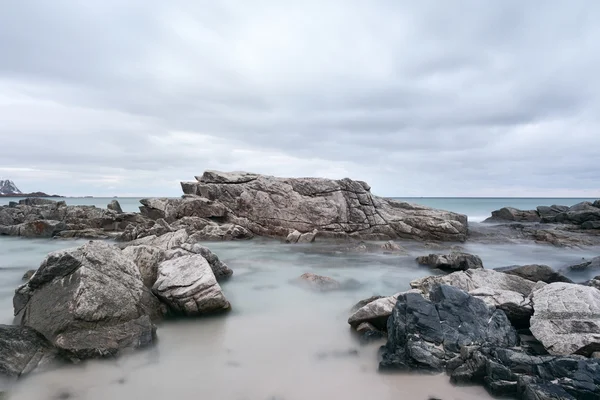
{"x": 272, "y": 206}
{"x": 567, "y": 318}
{"x": 89, "y": 302}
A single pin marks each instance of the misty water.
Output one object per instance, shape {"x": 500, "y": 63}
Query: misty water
{"x": 280, "y": 341}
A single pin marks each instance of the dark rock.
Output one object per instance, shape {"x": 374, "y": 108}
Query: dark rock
{"x": 23, "y": 350}
{"x": 376, "y": 312}
{"x": 591, "y": 225}
{"x": 425, "y": 334}
{"x": 89, "y": 302}
{"x": 115, "y": 206}
{"x": 513, "y": 214}
{"x": 41, "y": 228}
{"x": 455, "y": 261}
{"x": 27, "y": 275}
{"x": 549, "y": 213}
{"x": 585, "y": 267}
{"x": 535, "y": 273}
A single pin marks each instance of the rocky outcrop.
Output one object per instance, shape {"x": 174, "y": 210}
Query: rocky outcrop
{"x": 147, "y": 259}
{"x": 8, "y": 187}
{"x": 535, "y": 273}
{"x": 429, "y": 333}
{"x": 566, "y": 319}
{"x": 271, "y": 206}
{"x": 89, "y": 302}
{"x": 23, "y": 350}
{"x": 219, "y": 268}
{"x": 455, "y": 261}
{"x": 189, "y": 287}
{"x": 318, "y": 282}
{"x": 375, "y": 310}
{"x": 512, "y": 214}
{"x": 587, "y": 213}
{"x": 588, "y": 266}
{"x": 114, "y": 206}
{"x": 34, "y": 217}
{"x": 506, "y": 292}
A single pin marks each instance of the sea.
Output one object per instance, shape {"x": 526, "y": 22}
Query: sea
{"x": 280, "y": 341}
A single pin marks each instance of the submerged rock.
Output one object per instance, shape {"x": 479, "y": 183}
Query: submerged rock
{"x": 566, "y": 319}
{"x": 23, "y": 350}
{"x": 455, "y": 261}
{"x": 318, "y": 282}
{"x": 392, "y": 247}
{"x": 89, "y": 302}
{"x": 535, "y": 273}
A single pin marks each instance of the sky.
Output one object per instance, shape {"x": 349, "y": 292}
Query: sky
{"x": 418, "y": 98}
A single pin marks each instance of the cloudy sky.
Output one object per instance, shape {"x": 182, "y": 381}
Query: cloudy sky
{"x": 419, "y": 98}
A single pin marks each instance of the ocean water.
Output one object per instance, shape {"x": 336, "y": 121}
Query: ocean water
{"x": 280, "y": 341}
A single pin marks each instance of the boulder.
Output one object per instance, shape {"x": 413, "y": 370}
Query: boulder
{"x": 512, "y": 214}
{"x": 89, "y": 302}
{"x": 41, "y": 228}
{"x": 222, "y": 232}
{"x": 189, "y": 287}
{"x": 375, "y": 312}
{"x": 566, "y": 318}
{"x": 594, "y": 282}
{"x": 27, "y": 275}
{"x": 189, "y": 206}
{"x": 392, "y": 247}
{"x": 368, "y": 333}
{"x": 147, "y": 259}
{"x": 455, "y": 261}
{"x": 114, "y": 206}
{"x": 293, "y": 237}
{"x": 318, "y": 282}
{"x": 308, "y": 237}
{"x": 23, "y": 350}
{"x": 426, "y": 334}
{"x": 591, "y": 225}
{"x": 535, "y": 273}
{"x": 507, "y": 292}
{"x": 272, "y": 206}
{"x": 363, "y": 303}
{"x": 548, "y": 213}
{"x": 91, "y": 233}
{"x": 588, "y": 266}
{"x": 219, "y": 268}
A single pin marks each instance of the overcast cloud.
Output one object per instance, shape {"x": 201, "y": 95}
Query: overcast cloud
{"x": 419, "y": 98}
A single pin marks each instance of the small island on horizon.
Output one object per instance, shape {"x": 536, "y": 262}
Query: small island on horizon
{"x": 9, "y": 189}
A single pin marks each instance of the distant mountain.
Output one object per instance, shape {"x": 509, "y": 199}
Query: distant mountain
{"x": 8, "y": 187}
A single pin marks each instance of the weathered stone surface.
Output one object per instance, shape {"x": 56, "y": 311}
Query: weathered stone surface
{"x": 566, "y": 319}
{"x": 363, "y": 303}
{"x": 188, "y": 286}
{"x": 375, "y": 312}
{"x": 549, "y": 213}
{"x": 508, "y": 292}
{"x": 273, "y": 206}
{"x": 392, "y": 247}
{"x": 293, "y": 237}
{"x": 23, "y": 350}
{"x": 219, "y": 268}
{"x": 455, "y": 261}
{"x": 319, "y": 282}
{"x": 535, "y": 272}
{"x": 147, "y": 259}
{"x": 222, "y": 232}
{"x": 27, "y": 275}
{"x": 189, "y": 206}
{"x": 226, "y": 177}
{"x": 587, "y": 266}
{"x": 426, "y": 334}
{"x": 115, "y": 206}
{"x": 89, "y": 302}
{"x": 92, "y": 233}
{"x": 512, "y": 214}
{"x": 308, "y": 237}
{"x": 41, "y": 228}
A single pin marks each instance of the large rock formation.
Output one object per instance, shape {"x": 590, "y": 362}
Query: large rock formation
{"x": 535, "y": 273}
{"x": 89, "y": 302}
{"x": 513, "y": 214}
{"x": 271, "y": 206}
{"x": 8, "y": 187}
{"x": 579, "y": 214}
{"x": 455, "y": 261}
{"x": 566, "y": 319}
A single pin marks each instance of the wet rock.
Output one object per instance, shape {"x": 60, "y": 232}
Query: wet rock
{"x": 393, "y": 247}
{"x": 363, "y": 303}
{"x": 368, "y": 333}
{"x": 272, "y": 206}
{"x": 566, "y": 319}
{"x": 549, "y": 213}
{"x": 455, "y": 261}
{"x": 23, "y": 350}
{"x": 222, "y": 232}
{"x": 27, "y": 275}
{"x": 535, "y": 272}
{"x": 591, "y": 225}
{"x": 89, "y": 302}
{"x": 219, "y": 268}
{"x": 147, "y": 259}
{"x": 425, "y": 334}
{"x": 308, "y": 237}
{"x": 585, "y": 266}
{"x": 189, "y": 287}
{"x": 318, "y": 282}
{"x": 376, "y": 312}
{"x": 114, "y": 206}
{"x": 512, "y": 214}
{"x": 41, "y": 228}
{"x": 507, "y": 292}
{"x": 174, "y": 209}
{"x": 293, "y": 237}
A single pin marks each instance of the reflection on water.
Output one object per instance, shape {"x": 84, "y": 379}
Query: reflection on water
{"x": 280, "y": 341}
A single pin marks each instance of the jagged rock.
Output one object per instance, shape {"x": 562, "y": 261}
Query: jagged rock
{"x": 191, "y": 224}
{"x": 591, "y": 225}
{"x": 549, "y": 213}
{"x": 566, "y": 318}
{"x": 535, "y": 272}
{"x": 293, "y": 237}
{"x": 147, "y": 259}
{"x": 375, "y": 312}
{"x": 585, "y": 267}
{"x": 219, "y": 268}
{"x": 318, "y": 282}
{"x": 89, "y": 302}
{"x": 368, "y": 333}
{"x": 190, "y": 206}
{"x": 23, "y": 350}
{"x": 426, "y": 334}
{"x": 454, "y": 261}
{"x": 115, "y": 206}
{"x": 189, "y": 287}
{"x": 41, "y": 228}
{"x": 391, "y": 247}
{"x": 363, "y": 303}
{"x": 594, "y": 282}
{"x": 27, "y": 275}
{"x": 222, "y": 232}
{"x": 8, "y": 187}
{"x": 308, "y": 237}
{"x": 507, "y": 292}
{"x": 85, "y": 234}
{"x": 273, "y": 206}
{"x": 512, "y": 214}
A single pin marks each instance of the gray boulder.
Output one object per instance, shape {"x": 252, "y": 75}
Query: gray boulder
{"x": 147, "y": 259}
{"x": 41, "y": 228}
{"x": 535, "y": 273}
{"x": 219, "y": 268}
{"x": 189, "y": 287}
{"x": 174, "y": 209}
{"x": 293, "y": 237}
{"x": 392, "y": 247}
{"x": 588, "y": 266}
{"x": 566, "y": 319}
{"x": 507, "y": 292}
{"x": 89, "y": 302}
{"x": 115, "y": 206}
{"x": 426, "y": 333}
{"x": 308, "y": 237}
{"x": 271, "y": 206}
{"x": 455, "y": 261}
{"x": 512, "y": 214}
{"x": 549, "y": 213}
{"x": 215, "y": 231}
{"x": 375, "y": 312}
{"x": 23, "y": 350}
{"x": 319, "y": 282}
